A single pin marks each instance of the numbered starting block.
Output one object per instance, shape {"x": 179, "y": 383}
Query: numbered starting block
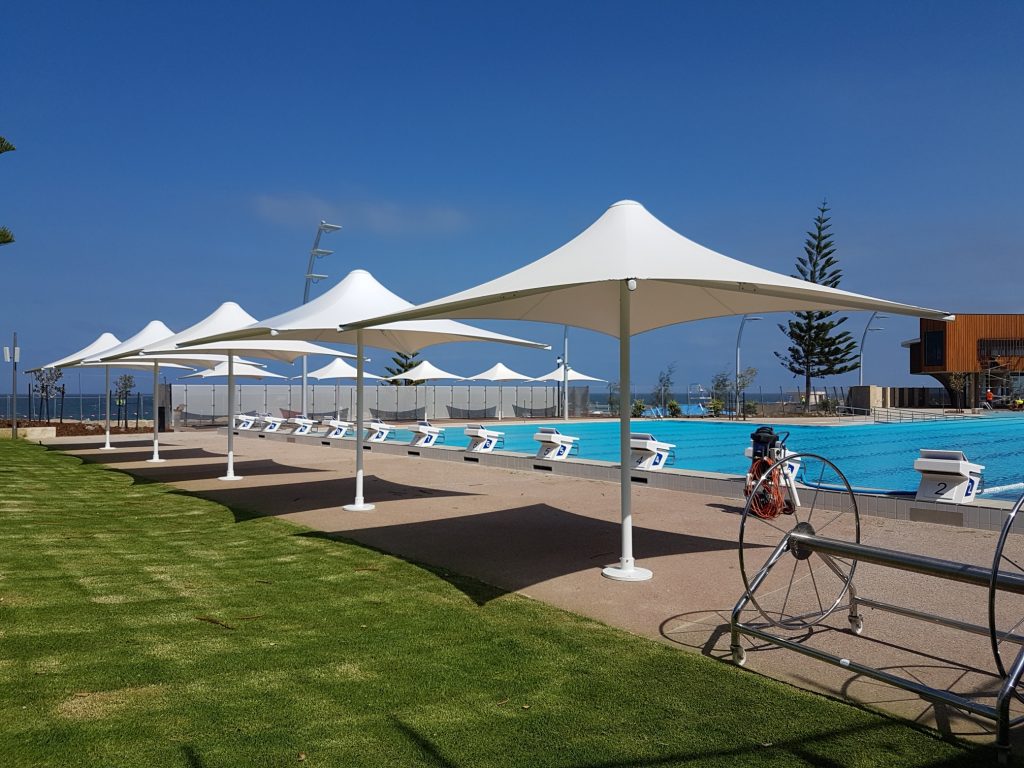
{"x": 302, "y": 426}
{"x": 244, "y": 421}
{"x": 377, "y": 431}
{"x": 273, "y": 423}
{"x": 425, "y": 434}
{"x": 554, "y": 445}
{"x": 336, "y": 428}
{"x": 647, "y": 452}
{"x": 482, "y": 440}
{"x": 947, "y": 476}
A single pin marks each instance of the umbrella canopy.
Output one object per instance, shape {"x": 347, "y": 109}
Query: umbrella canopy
{"x": 589, "y": 282}
{"x": 425, "y": 371}
{"x": 357, "y": 297}
{"x": 246, "y": 370}
{"x": 339, "y": 369}
{"x": 103, "y": 342}
{"x": 499, "y": 372}
{"x": 559, "y": 374}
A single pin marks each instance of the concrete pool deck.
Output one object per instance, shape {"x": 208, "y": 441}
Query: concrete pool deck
{"x": 547, "y": 536}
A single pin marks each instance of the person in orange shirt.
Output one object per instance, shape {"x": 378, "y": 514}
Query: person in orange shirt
{"x": 989, "y": 397}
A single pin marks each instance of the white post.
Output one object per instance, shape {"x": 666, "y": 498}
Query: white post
{"x": 360, "y": 505}
{"x": 156, "y": 424}
{"x": 231, "y": 421}
{"x": 107, "y": 446}
{"x": 626, "y": 570}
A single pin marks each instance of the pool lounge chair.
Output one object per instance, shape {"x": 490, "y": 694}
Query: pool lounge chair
{"x": 554, "y": 445}
{"x": 483, "y": 440}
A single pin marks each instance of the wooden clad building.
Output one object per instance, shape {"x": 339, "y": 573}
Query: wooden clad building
{"x": 988, "y": 347}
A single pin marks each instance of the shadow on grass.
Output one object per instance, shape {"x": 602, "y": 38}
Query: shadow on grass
{"x": 120, "y": 456}
{"x": 97, "y": 443}
{"x": 192, "y": 758}
{"x": 518, "y": 547}
{"x": 247, "y": 503}
{"x": 797, "y": 749}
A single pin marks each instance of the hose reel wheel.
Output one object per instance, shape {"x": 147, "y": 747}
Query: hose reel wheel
{"x": 794, "y": 588}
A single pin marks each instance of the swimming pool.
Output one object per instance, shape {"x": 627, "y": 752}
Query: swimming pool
{"x": 871, "y": 455}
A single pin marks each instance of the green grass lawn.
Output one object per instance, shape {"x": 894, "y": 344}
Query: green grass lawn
{"x": 144, "y": 627}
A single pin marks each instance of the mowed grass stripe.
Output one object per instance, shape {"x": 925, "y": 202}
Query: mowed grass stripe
{"x": 143, "y": 626}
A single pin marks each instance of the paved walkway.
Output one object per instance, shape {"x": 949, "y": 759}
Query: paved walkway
{"x": 548, "y": 537}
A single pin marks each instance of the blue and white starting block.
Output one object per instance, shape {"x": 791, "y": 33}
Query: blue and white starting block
{"x": 273, "y": 423}
{"x": 647, "y": 452}
{"x": 244, "y": 421}
{"x": 554, "y": 445}
{"x": 377, "y": 431}
{"x": 336, "y": 428}
{"x": 947, "y": 476}
{"x": 426, "y": 434}
{"x": 302, "y": 426}
{"x": 483, "y": 440}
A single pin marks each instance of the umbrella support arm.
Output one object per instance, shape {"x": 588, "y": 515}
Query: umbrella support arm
{"x": 626, "y": 570}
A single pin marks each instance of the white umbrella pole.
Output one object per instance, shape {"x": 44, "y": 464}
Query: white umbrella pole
{"x": 231, "y": 421}
{"x": 337, "y": 399}
{"x": 156, "y": 424}
{"x": 359, "y": 505}
{"x": 107, "y": 446}
{"x": 626, "y": 570}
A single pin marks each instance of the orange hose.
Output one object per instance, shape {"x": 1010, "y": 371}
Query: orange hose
{"x": 768, "y": 502}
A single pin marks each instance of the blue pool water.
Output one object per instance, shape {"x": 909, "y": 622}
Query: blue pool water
{"x": 870, "y": 455}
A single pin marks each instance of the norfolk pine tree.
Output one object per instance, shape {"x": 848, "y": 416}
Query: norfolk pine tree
{"x": 814, "y": 350}
{"x": 5, "y": 234}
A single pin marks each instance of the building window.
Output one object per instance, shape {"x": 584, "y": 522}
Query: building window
{"x": 934, "y": 348}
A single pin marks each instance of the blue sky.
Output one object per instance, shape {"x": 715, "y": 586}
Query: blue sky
{"x": 173, "y": 156}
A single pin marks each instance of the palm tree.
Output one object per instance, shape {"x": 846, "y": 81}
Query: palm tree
{"x": 5, "y": 234}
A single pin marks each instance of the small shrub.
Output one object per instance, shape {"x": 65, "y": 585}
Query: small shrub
{"x": 674, "y": 410}
{"x": 749, "y": 409}
{"x": 716, "y": 406}
{"x": 637, "y": 409}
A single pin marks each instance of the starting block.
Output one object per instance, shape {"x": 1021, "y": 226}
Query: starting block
{"x": 482, "y": 440}
{"x": 426, "y": 434}
{"x": 302, "y": 426}
{"x": 336, "y": 428}
{"x": 947, "y": 476}
{"x": 244, "y": 421}
{"x": 647, "y": 452}
{"x": 377, "y": 431}
{"x": 273, "y": 423}
{"x": 554, "y": 445}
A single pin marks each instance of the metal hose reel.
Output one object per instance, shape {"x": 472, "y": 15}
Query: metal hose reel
{"x": 798, "y": 568}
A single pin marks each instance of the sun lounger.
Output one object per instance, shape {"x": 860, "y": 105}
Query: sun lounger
{"x": 482, "y": 440}
{"x": 426, "y": 434}
{"x": 377, "y": 431}
{"x": 554, "y": 445}
{"x": 647, "y": 452}
{"x": 336, "y": 428}
{"x": 302, "y": 426}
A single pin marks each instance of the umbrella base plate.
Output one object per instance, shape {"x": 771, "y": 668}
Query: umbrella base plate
{"x": 359, "y": 507}
{"x": 618, "y": 573}
{"x": 230, "y": 477}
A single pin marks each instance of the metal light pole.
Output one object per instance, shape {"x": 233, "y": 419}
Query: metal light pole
{"x": 739, "y": 335}
{"x": 863, "y": 338}
{"x": 560, "y": 361}
{"x": 11, "y": 355}
{"x": 316, "y": 252}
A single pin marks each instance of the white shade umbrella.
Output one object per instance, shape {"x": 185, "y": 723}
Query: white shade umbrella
{"x": 425, "y": 371}
{"x": 228, "y": 317}
{"x": 245, "y": 370}
{"x": 356, "y": 297}
{"x": 103, "y": 342}
{"x": 337, "y": 370}
{"x": 589, "y": 282}
{"x": 559, "y": 374}
{"x": 500, "y": 373}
